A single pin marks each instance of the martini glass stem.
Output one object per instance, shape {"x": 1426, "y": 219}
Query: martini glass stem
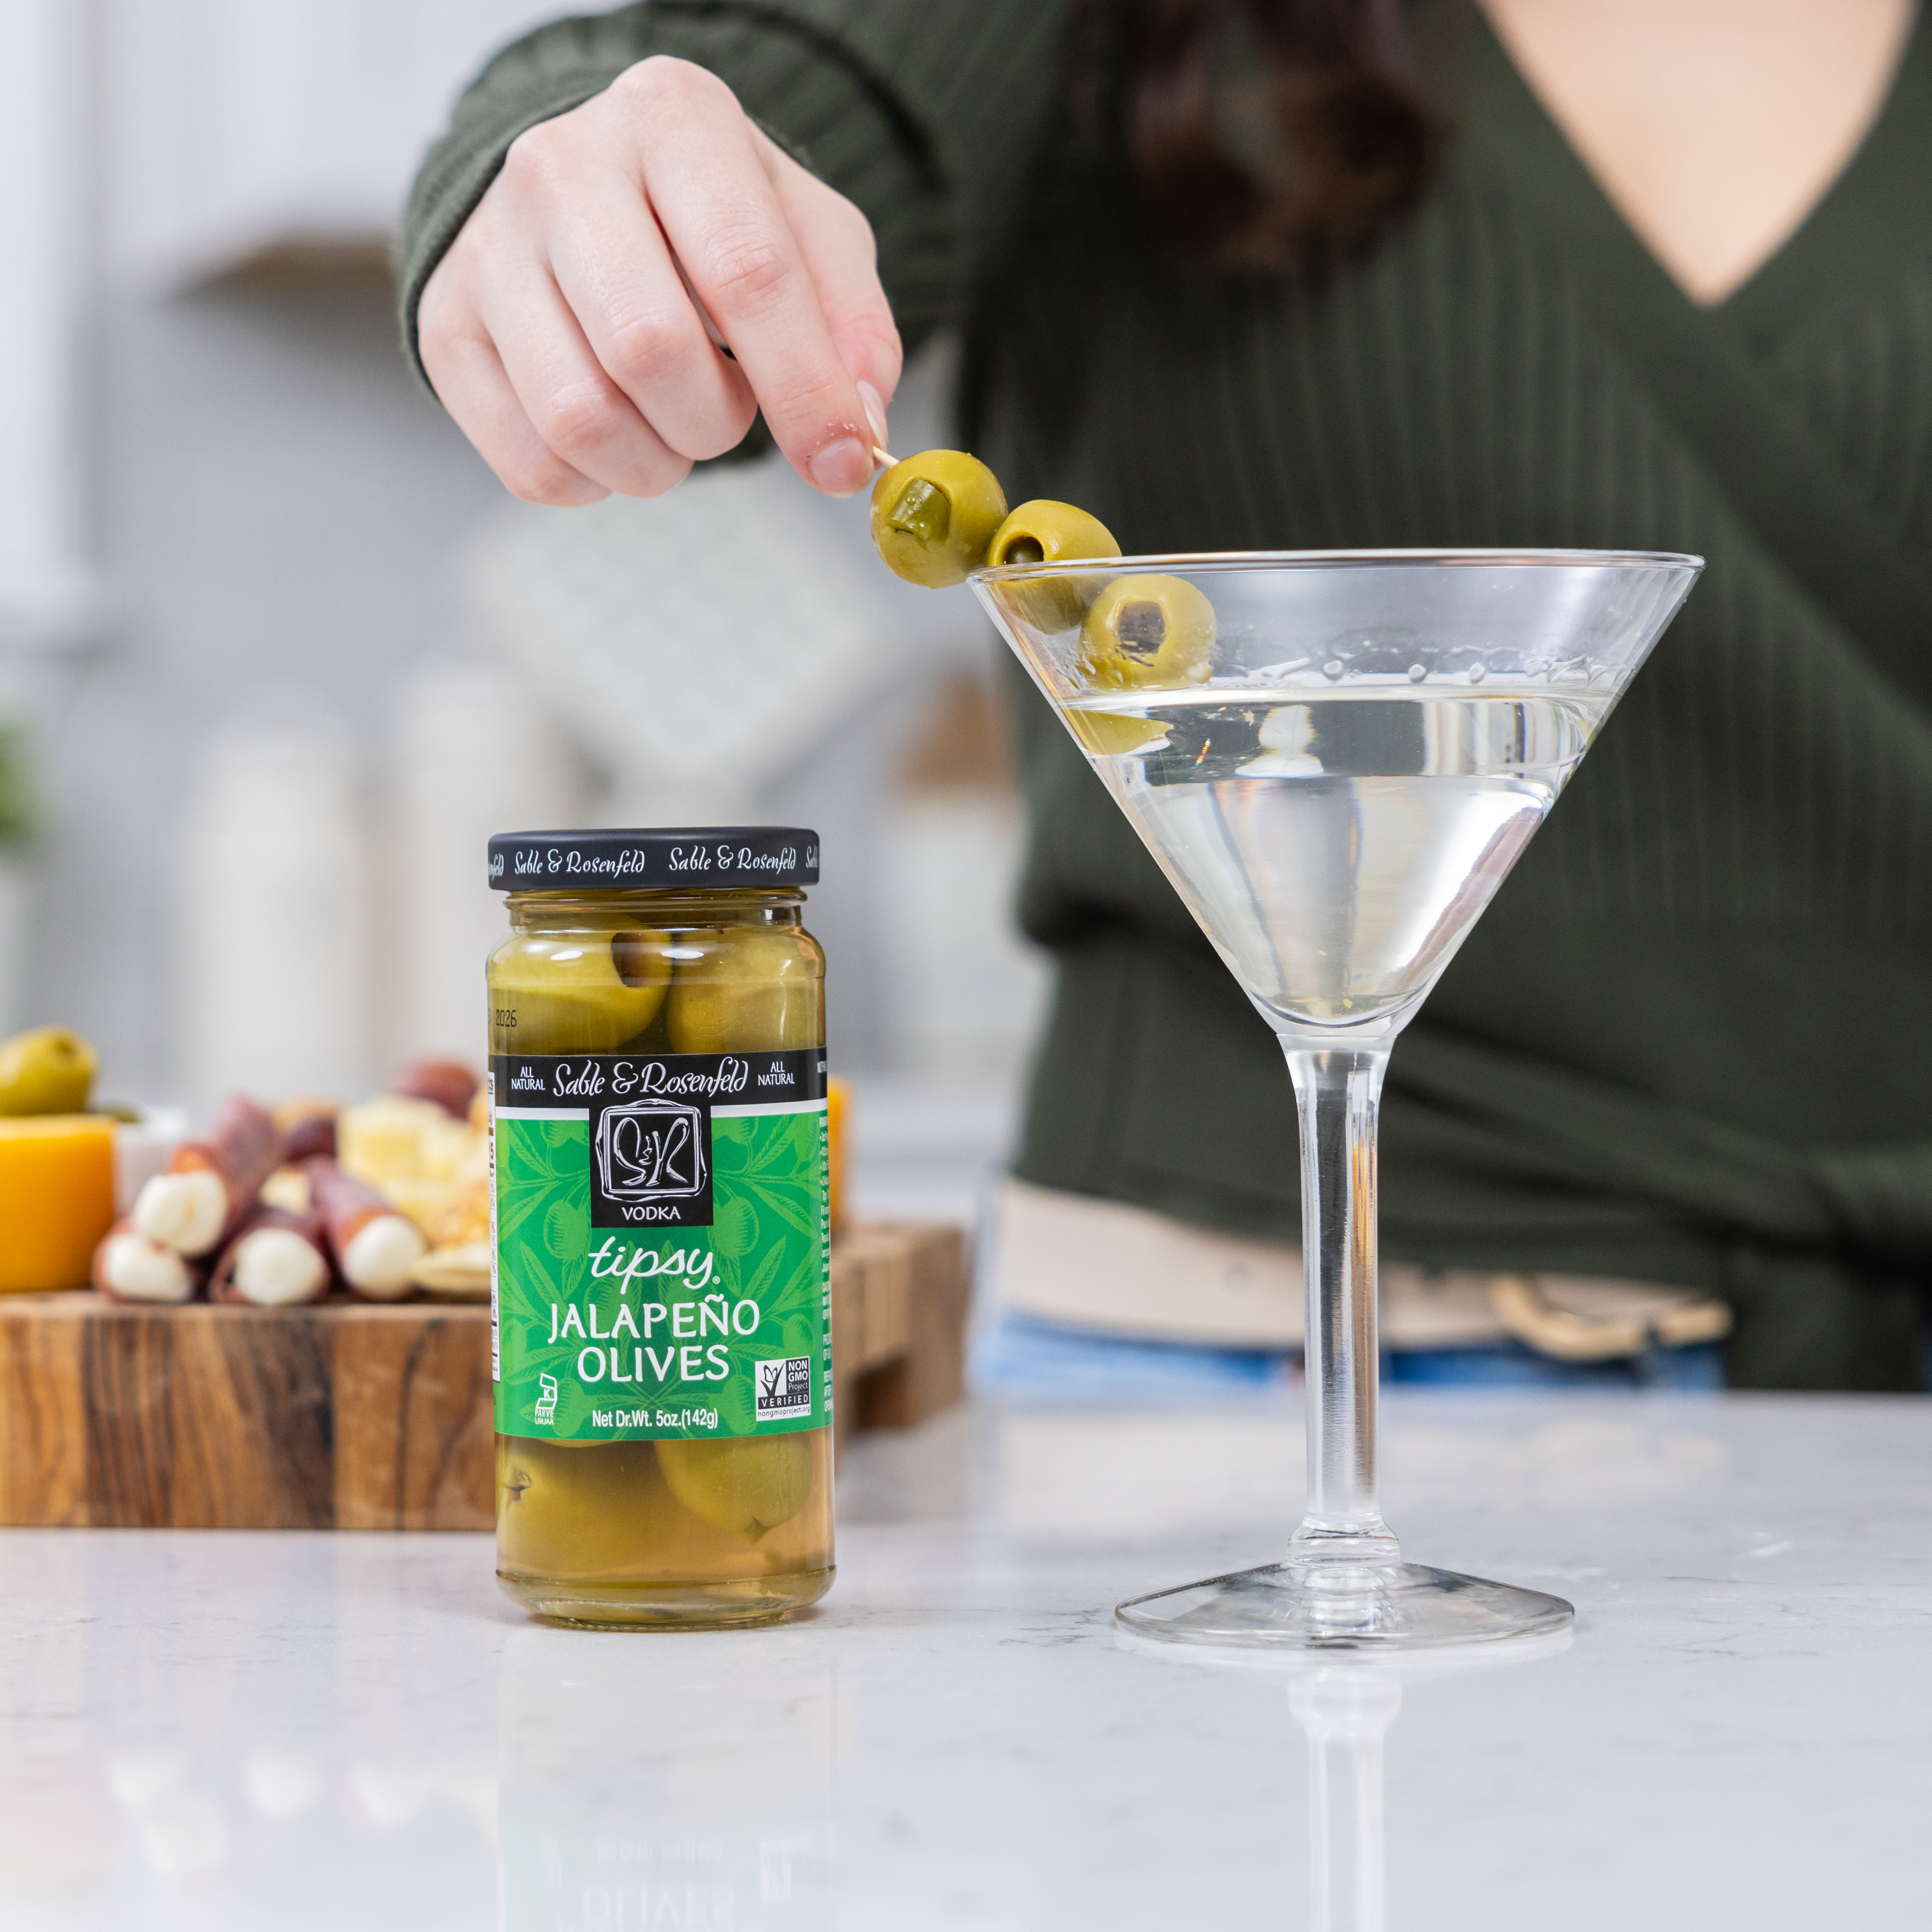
{"x": 1340, "y": 1093}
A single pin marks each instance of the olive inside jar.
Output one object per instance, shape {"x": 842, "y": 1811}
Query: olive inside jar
{"x": 660, "y": 1286}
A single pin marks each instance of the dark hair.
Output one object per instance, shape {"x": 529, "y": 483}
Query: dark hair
{"x": 1341, "y": 136}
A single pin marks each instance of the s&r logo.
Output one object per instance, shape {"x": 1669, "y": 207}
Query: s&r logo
{"x": 651, "y": 1165}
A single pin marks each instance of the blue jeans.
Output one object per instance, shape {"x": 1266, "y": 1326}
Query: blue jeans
{"x": 1019, "y": 1355}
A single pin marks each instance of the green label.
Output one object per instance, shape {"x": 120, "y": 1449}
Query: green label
{"x": 661, "y": 1251}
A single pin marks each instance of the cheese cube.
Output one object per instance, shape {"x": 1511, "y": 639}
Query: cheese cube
{"x": 390, "y": 1138}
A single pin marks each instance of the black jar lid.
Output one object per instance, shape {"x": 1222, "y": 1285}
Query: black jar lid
{"x": 701, "y": 858}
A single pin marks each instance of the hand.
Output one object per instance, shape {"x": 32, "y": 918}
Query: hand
{"x": 561, "y": 336}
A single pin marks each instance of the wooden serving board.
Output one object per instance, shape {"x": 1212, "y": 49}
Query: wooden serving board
{"x": 346, "y": 1415}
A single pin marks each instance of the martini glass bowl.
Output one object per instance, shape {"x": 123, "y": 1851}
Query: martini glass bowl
{"x": 1335, "y": 757}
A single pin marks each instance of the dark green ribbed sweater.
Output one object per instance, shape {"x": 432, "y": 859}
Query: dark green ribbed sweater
{"x": 1691, "y": 1041}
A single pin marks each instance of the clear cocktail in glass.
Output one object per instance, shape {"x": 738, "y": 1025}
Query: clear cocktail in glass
{"x": 1336, "y": 775}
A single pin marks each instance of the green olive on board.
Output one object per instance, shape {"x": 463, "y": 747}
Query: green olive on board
{"x": 934, "y": 514}
{"x": 752, "y": 992}
{"x": 50, "y": 1070}
{"x": 1155, "y": 632}
{"x": 581, "y": 992}
{"x": 739, "y": 1484}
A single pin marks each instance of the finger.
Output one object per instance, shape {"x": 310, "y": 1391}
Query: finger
{"x": 614, "y": 270}
{"x": 579, "y": 411}
{"x": 722, "y": 216}
{"x": 468, "y": 377}
{"x": 836, "y": 241}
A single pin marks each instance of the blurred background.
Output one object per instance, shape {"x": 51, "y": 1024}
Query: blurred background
{"x": 277, "y": 652}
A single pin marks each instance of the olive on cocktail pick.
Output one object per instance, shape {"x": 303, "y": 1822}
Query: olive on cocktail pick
{"x": 1148, "y": 631}
{"x": 1045, "y": 532}
{"x": 934, "y": 514}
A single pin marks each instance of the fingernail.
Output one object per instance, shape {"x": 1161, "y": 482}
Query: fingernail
{"x": 844, "y": 468}
{"x": 875, "y": 414}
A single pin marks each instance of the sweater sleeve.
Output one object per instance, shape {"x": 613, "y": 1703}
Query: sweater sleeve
{"x": 922, "y": 113}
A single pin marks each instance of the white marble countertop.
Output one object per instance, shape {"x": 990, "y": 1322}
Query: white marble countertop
{"x": 358, "y": 1733}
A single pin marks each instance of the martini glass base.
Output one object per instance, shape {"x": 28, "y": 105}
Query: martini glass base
{"x": 1342, "y": 1606}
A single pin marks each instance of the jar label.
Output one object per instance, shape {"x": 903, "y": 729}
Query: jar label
{"x": 661, "y": 1261}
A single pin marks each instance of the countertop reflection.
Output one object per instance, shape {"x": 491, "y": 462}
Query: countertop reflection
{"x": 302, "y": 1731}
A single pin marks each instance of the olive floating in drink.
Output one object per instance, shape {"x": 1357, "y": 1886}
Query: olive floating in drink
{"x": 746, "y": 1487}
{"x": 50, "y": 1070}
{"x": 1143, "y": 631}
{"x": 581, "y": 992}
{"x": 934, "y": 514}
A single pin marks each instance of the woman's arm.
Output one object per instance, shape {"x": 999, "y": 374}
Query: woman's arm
{"x": 770, "y": 147}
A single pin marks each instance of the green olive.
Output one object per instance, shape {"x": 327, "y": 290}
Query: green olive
{"x": 1045, "y": 532}
{"x": 1152, "y": 631}
{"x": 934, "y": 514}
{"x": 745, "y": 1486}
{"x": 48, "y": 1071}
{"x": 1108, "y": 735}
{"x": 581, "y": 992}
{"x": 583, "y": 1509}
{"x": 752, "y": 992}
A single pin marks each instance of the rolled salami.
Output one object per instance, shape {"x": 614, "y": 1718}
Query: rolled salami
{"x": 375, "y": 1247}
{"x": 275, "y": 1260}
{"x": 308, "y": 1128}
{"x": 200, "y": 1198}
{"x": 129, "y": 1266}
{"x": 450, "y": 1084}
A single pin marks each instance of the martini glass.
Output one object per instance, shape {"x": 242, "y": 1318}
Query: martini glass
{"x": 1336, "y": 789}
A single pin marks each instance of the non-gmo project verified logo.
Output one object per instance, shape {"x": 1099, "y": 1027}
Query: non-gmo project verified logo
{"x": 784, "y": 1388}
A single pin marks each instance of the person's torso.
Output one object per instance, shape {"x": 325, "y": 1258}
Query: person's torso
{"x": 1725, "y": 905}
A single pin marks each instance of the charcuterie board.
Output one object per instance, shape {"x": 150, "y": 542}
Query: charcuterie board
{"x": 350, "y": 1415}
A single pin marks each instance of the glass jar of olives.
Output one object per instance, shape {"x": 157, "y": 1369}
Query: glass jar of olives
{"x": 662, "y": 1281}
